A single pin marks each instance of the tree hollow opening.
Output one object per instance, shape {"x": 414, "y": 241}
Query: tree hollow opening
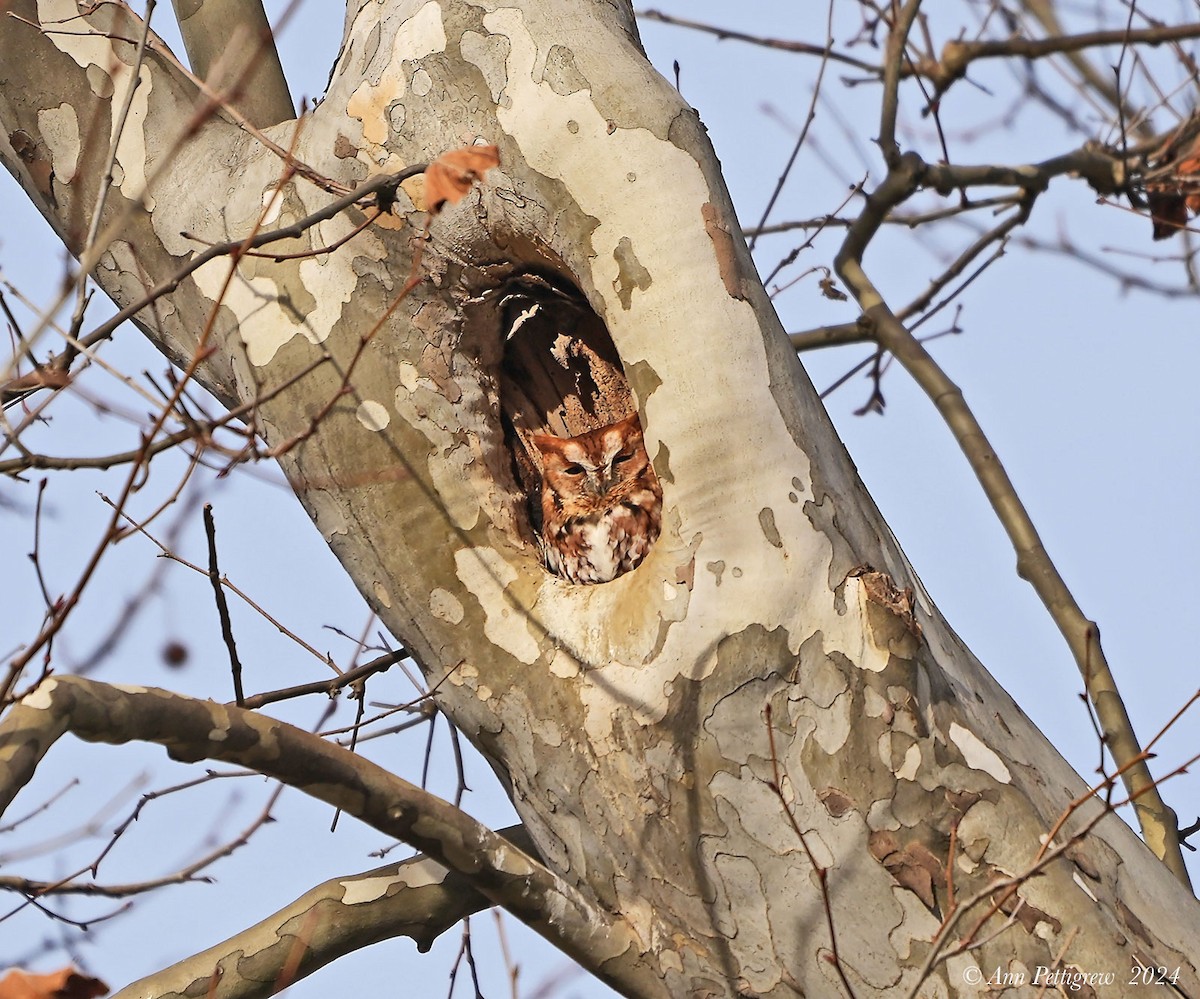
{"x": 574, "y": 433}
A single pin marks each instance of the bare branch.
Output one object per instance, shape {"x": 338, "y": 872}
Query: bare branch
{"x": 230, "y": 44}
{"x": 1158, "y": 821}
{"x": 801, "y": 48}
{"x": 192, "y": 730}
{"x": 415, "y": 898}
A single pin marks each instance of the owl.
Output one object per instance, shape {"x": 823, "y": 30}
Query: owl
{"x": 601, "y": 502}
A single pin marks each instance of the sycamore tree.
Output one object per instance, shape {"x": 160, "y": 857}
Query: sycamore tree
{"x": 760, "y": 764}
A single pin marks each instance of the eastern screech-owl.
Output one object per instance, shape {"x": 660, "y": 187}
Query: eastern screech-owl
{"x": 601, "y": 502}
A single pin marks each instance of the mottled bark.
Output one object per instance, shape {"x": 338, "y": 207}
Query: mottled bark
{"x": 416, "y": 898}
{"x": 629, "y": 719}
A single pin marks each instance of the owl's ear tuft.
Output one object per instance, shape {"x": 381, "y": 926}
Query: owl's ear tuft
{"x": 630, "y": 425}
{"x": 546, "y": 443}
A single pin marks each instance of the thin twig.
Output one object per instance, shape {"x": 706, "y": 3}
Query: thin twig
{"x": 225, "y": 582}
{"x": 776, "y": 786}
{"x": 808, "y": 120}
{"x": 783, "y": 45}
{"x": 214, "y": 577}
{"x": 1158, "y": 822}
{"x": 327, "y": 687}
{"x": 894, "y": 60}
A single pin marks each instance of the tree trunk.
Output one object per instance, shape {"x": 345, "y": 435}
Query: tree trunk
{"x": 770, "y": 641}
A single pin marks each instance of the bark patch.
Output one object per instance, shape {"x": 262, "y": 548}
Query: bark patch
{"x": 725, "y": 249}
{"x": 913, "y": 866}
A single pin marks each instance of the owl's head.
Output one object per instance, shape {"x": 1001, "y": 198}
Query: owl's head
{"x": 593, "y": 464}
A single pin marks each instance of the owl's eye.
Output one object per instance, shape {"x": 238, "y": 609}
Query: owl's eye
{"x": 622, "y": 457}
{"x": 574, "y": 469}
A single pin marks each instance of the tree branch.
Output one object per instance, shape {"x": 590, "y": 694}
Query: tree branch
{"x": 229, "y": 43}
{"x": 895, "y": 60}
{"x": 193, "y": 730}
{"x": 415, "y": 898}
{"x": 1158, "y": 821}
{"x": 783, "y": 45}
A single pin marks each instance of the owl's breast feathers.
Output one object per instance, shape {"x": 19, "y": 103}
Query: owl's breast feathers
{"x": 610, "y": 538}
{"x": 601, "y": 502}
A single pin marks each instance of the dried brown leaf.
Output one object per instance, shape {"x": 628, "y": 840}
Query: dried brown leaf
{"x": 1173, "y": 184}
{"x": 66, "y": 983}
{"x": 451, "y": 175}
{"x": 830, "y": 290}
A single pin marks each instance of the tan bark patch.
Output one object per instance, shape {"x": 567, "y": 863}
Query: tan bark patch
{"x": 723, "y": 245}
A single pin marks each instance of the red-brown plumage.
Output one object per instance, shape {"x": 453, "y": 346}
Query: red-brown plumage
{"x": 601, "y": 502}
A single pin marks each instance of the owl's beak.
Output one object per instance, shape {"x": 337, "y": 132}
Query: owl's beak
{"x": 601, "y": 481}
